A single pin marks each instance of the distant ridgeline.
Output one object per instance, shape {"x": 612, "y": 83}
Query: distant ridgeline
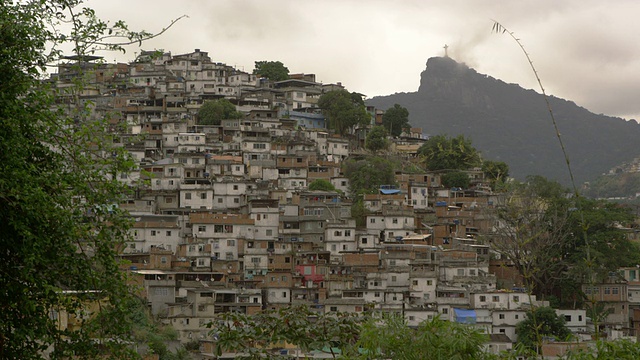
{"x": 508, "y": 123}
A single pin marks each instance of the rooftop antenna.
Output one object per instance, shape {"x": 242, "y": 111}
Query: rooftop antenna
{"x": 445, "y": 50}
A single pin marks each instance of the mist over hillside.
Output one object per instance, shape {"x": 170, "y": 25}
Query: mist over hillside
{"x": 511, "y": 124}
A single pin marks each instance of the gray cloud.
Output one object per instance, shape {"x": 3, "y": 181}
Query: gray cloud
{"x": 583, "y": 49}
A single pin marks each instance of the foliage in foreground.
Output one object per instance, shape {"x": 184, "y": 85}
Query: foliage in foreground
{"x": 345, "y": 336}
{"x": 389, "y": 337}
{"x": 59, "y": 223}
{"x": 263, "y": 334}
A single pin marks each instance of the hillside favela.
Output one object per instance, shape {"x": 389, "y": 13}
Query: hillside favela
{"x": 214, "y": 213}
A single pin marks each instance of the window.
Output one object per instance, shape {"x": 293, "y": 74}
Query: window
{"x": 376, "y": 294}
{"x": 187, "y": 196}
{"x": 284, "y": 294}
{"x": 269, "y": 232}
{"x": 615, "y": 290}
{"x": 333, "y": 308}
{"x": 414, "y": 282}
{"x": 255, "y": 260}
{"x": 259, "y": 146}
{"x": 200, "y": 262}
{"x": 168, "y": 232}
{"x": 483, "y": 298}
{"x": 495, "y": 298}
{"x": 219, "y": 200}
{"x": 567, "y": 318}
{"x": 429, "y": 282}
{"x": 337, "y": 233}
{"x": 516, "y": 298}
{"x": 517, "y": 316}
{"x": 372, "y": 221}
{"x": 231, "y": 243}
{"x": 236, "y": 200}
{"x": 160, "y": 291}
{"x": 153, "y": 233}
{"x": 460, "y": 272}
{"x": 347, "y": 233}
{"x": 235, "y": 187}
{"x": 394, "y": 278}
{"x": 203, "y": 196}
{"x": 445, "y": 311}
{"x": 364, "y": 240}
{"x": 501, "y": 316}
{"x": 196, "y": 161}
{"x": 163, "y": 259}
{"x": 395, "y": 221}
{"x": 168, "y": 200}
{"x": 607, "y": 290}
{"x": 202, "y": 228}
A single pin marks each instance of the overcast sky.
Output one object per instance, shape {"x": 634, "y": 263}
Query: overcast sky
{"x": 585, "y": 50}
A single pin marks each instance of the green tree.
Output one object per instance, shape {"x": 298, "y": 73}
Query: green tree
{"x": 322, "y": 184}
{"x": 458, "y": 179}
{"x": 602, "y": 224}
{"x": 442, "y": 152}
{"x": 214, "y": 111}
{"x": 365, "y": 176}
{"x": 389, "y": 337}
{"x": 377, "y": 139}
{"x": 59, "y": 223}
{"x": 396, "y": 119}
{"x": 260, "y": 336}
{"x": 540, "y": 323}
{"x": 272, "y": 70}
{"x": 532, "y": 232}
{"x": 496, "y": 171}
{"x": 343, "y": 110}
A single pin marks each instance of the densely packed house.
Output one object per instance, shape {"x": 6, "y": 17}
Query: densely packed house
{"x": 224, "y": 219}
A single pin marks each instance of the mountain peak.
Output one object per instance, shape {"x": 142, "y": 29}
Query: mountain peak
{"x": 511, "y": 124}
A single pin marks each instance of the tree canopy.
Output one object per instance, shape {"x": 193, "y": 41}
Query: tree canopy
{"x": 396, "y": 119}
{"x": 346, "y": 335}
{"x": 557, "y": 241}
{"x": 214, "y": 111}
{"x": 60, "y": 224}
{"x": 442, "y": 152}
{"x": 496, "y": 171}
{"x": 322, "y": 184}
{"x": 366, "y": 176}
{"x": 272, "y": 70}
{"x": 540, "y": 323}
{"x": 456, "y": 179}
{"x": 343, "y": 110}
{"x": 377, "y": 139}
